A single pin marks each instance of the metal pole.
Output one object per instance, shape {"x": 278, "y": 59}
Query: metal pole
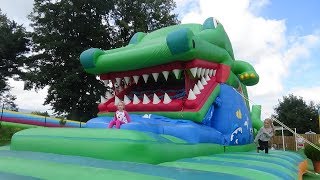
{"x": 283, "y": 140}
{"x": 2, "y": 112}
{"x": 45, "y": 119}
{"x": 295, "y": 138}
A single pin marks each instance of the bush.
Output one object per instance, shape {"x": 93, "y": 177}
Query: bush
{"x": 62, "y": 122}
{"x": 6, "y": 133}
{"x": 312, "y": 153}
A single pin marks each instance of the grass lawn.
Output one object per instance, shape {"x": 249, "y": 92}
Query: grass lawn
{"x": 6, "y": 133}
{"x": 3, "y": 143}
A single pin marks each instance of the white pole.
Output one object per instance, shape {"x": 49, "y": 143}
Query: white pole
{"x": 295, "y": 138}
{"x": 283, "y": 139}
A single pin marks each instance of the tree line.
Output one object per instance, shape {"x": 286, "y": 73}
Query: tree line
{"x": 48, "y": 56}
{"x": 61, "y": 31}
{"x": 297, "y": 113}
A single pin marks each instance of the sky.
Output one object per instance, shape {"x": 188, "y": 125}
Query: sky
{"x": 275, "y": 36}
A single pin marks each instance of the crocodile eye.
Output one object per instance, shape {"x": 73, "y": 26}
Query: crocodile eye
{"x": 215, "y": 22}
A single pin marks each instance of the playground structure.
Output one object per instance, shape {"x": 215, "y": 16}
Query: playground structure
{"x": 187, "y": 98}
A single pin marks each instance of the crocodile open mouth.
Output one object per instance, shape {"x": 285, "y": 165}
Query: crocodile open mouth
{"x": 178, "y": 86}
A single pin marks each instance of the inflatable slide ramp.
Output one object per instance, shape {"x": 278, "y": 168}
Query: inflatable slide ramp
{"x": 245, "y": 165}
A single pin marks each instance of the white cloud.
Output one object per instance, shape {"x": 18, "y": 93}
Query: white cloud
{"x": 29, "y": 100}
{"x": 185, "y": 6}
{"x": 308, "y": 94}
{"x": 262, "y": 42}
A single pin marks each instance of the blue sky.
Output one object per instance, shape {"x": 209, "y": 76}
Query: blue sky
{"x": 281, "y": 38}
{"x": 302, "y": 16}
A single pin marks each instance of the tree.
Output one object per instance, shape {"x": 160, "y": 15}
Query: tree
{"x": 7, "y": 101}
{"x": 296, "y": 113}
{"x": 13, "y": 44}
{"x": 131, "y": 16}
{"x": 62, "y": 30}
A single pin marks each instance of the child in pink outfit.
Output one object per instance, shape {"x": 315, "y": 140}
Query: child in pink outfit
{"x": 120, "y": 117}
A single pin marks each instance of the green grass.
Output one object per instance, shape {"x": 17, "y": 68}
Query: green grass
{"x": 6, "y": 133}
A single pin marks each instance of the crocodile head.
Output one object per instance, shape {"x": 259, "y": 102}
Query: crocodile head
{"x": 174, "y": 71}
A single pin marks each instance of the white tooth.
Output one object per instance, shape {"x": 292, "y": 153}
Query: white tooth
{"x": 118, "y": 80}
{"x": 214, "y": 72}
{"x": 165, "y": 74}
{"x": 105, "y": 82}
{"x": 112, "y": 82}
{"x": 207, "y": 78}
{"x": 146, "y": 100}
{"x": 196, "y": 90}
{"x": 199, "y": 72}
{"x": 200, "y": 86}
{"x": 202, "y": 71}
{"x": 155, "y": 76}
{"x": 203, "y": 81}
{"x": 136, "y": 79}
{"x": 206, "y": 72}
{"x": 145, "y": 77}
{"x": 126, "y": 100}
{"x": 191, "y": 95}
{"x": 156, "y": 99}
{"x": 127, "y": 79}
{"x": 109, "y": 95}
{"x": 176, "y": 73}
{"x": 194, "y": 71}
{"x": 103, "y": 100}
{"x": 116, "y": 100}
{"x": 166, "y": 99}
{"x": 136, "y": 100}
{"x": 210, "y": 72}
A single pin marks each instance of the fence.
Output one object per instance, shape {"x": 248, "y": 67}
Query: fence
{"x": 290, "y": 143}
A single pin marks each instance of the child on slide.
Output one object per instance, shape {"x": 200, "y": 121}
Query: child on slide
{"x": 120, "y": 117}
{"x": 264, "y": 135}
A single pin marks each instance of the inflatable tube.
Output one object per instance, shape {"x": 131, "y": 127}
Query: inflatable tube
{"x": 21, "y": 118}
{"x": 120, "y": 145}
{"x": 25, "y": 126}
{"x": 247, "y": 165}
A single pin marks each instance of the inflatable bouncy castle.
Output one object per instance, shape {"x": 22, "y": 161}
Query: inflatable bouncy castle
{"x": 186, "y": 94}
{"x": 183, "y": 79}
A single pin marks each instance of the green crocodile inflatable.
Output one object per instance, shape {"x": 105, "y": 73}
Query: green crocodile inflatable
{"x": 186, "y": 55}
{"x": 187, "y": 98}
